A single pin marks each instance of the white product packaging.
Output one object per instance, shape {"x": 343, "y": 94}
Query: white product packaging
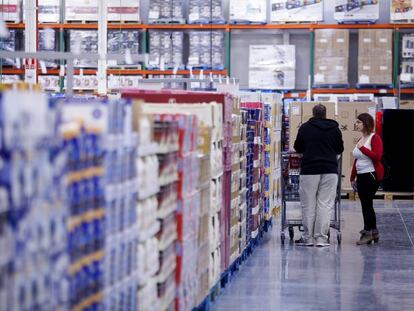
{"x": 245, "y": 11}
{"x": 272, "y": 67}
{"x": 408, "y": 46}
{"x": 50, "y": 83}
{"x": 402, "y": 10}
{"x": 122, "y": 82}
{"x": 296, "y": 11}
{"x": 356, "y": 11}
{"x": 123, "y": 10}
{"x": 49, "y": 11}
{"x": 10, "y": 10}
{"x": 81, "y": 10}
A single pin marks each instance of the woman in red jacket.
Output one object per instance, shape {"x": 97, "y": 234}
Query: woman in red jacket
{"x": 368, "y": 172}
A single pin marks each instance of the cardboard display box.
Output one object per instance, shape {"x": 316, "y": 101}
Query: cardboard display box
{"x": 407, "y": 104}
{"x": 296, "y": 11}
{"x": 356, "y": 11}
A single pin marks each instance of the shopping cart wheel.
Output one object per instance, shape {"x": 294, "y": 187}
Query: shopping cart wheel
{"x": 282, "y": 238}
{"x": 339, "y": 237}
{"x": 291, "y": 233}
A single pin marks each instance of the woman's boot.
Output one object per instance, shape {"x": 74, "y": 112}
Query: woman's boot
{"x": 366, "y": 238}
{"x": 375, "y": 235}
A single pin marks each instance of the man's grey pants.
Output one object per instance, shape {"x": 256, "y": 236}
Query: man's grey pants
{"x": 317, "y": 199}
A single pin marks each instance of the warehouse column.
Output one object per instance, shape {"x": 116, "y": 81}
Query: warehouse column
{"x": 31, "y": 33}
{"x": 102, "y": 46}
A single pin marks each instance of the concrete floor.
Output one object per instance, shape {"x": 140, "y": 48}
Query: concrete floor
{"x": 349, "y": 277}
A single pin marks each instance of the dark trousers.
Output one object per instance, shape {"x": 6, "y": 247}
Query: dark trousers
{"x": 367, "y": 186}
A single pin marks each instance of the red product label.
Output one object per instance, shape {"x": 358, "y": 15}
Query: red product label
{"x": 123, "y": 10}
{"x": 8, "y": 8}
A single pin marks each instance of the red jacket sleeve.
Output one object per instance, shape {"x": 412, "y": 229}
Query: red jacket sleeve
{"x": 354, "y": 172}
{"x": 376, "y": 145}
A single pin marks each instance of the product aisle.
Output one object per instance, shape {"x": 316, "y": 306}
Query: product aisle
{"x": 335, "y": 278}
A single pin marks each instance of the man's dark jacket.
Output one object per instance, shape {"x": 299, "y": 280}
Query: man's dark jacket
{"x": 320, "y": 141}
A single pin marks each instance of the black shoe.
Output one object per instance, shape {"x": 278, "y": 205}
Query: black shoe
{"x": 303, "y": 242}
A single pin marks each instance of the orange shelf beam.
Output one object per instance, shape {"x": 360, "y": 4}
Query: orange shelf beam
{"x": 407, "y": 91}
{"x": 353, "y": 91}
{"x": 15, "y": 26}
{"x": 11, "y": 71}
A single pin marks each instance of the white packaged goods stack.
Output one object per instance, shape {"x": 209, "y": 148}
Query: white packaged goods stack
{"x": 116, "y": 223}
{"x": 402, "y": 10}
{"x": 81, "y": 10}
{"x": 48, "y": 11}
{"x": 275, "y": 128}
{"x": 356, "y": 11}
{"x": 331, "y": 57}
{"x": 124, "y": 42}
{"x": 123, "y": 11}
{"x": 206, "y": 50}
{"x": 50, "y": 83}
{"x": 148, "y": 225}
{"x": 236, "y": 183}
{"x": 248, "y": 11}
{"x": 11, "y": 10}
{"x": 8, "y": 79}
{"x": 205, "y": 12}
{"x": 242, "y": 223}
{"x": 204, "y": 205}
{"x": 407, "y": 66}
{"x": 296, "y": 11}
{"x": 84, "y": 41}
{"x": 166, "y": 11}
{"x": 272, "y": 67}
{"x": 166, "y": 49}
{"x": 115, "y": 83}
{"x": 33, "y": 170}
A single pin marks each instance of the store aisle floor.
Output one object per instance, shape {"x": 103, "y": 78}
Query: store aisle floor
{"x": 374, "y": 277}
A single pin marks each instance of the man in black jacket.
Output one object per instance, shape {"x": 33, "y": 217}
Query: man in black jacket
{"x": 320, "y": 142}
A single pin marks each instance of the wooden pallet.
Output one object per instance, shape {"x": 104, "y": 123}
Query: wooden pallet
{"x": 294, "y": 23}
{"x": 403, "y": 21}
{"x": 380, "y": 195}
{"x": 125, "y": 22}
{"x": 80, "y": 22}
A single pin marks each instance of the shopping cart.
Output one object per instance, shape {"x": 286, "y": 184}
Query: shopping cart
{"x": 290, "y": 193}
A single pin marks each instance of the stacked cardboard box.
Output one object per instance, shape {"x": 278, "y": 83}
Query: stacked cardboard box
{"x": 406, "y": 104}
{"x": 166, "y": 11}
{"x": 296, "y": 11}
{"x": 49, "y": 11}
{"x": 205, "y": 11}
{"x": 301, "y": 112}
{"x": 375, "y": 56}
{"x": 84, "y": 41}
{"x": 356, "y": 11}
{"x": 243, "y": 184}
{"x": 407, "y": 66}
{"x": 347, "y": 115}
{"x": 331, "y": 57}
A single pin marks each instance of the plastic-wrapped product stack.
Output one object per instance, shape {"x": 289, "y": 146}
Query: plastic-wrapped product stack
{"x": 205, "y": 12}
{"x": 244, "y": 194}
{"x": 81, "y": 10}
{"x": 206, "y": 50}
{"x": 33, "y": 204}
{"x": 166, "y": 49}
{"x": 166, "y": 11}
{"x": 124, "y": 42}
{"x": 48, "y": 43}
{"x": 123, "y": 11}
{"x": 9, "y": 44}
{"x": 108, "y": 221}
{"x": 84, "y": 42}
{"x": 148, "y": 225}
